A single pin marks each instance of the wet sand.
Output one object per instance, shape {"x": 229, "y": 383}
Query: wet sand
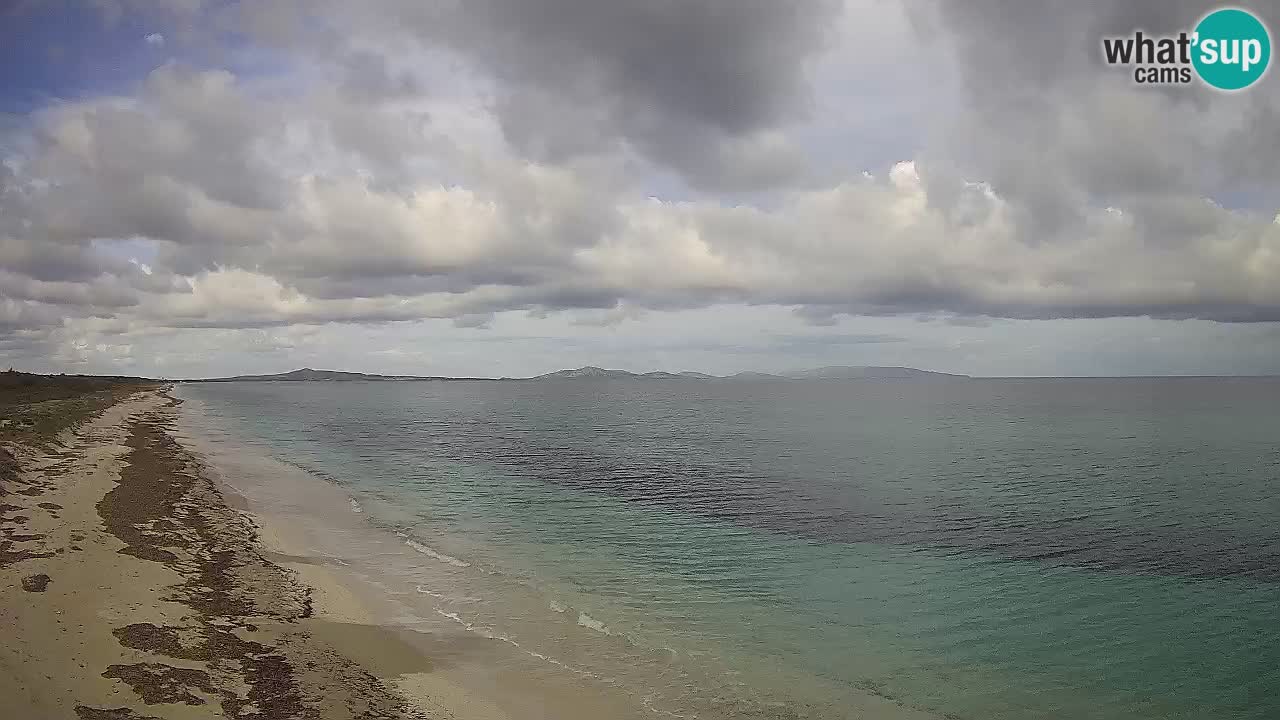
{"x": 131, "y": 589}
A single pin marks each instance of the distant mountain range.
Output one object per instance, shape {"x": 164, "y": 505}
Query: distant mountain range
{"x": 847, "y": 372}
{"x": 830, "y": 372}
{"x": 306, "y": 374}
{"x": 590, "y": 372}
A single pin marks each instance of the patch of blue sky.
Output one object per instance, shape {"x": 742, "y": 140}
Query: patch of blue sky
{"x": 60, "y": 51}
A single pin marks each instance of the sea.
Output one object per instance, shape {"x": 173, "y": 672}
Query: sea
{"x": 971, "y": 548}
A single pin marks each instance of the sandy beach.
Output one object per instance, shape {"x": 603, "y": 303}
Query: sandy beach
{"x": 130, "y": 588}
{"x": 137, "y": 583}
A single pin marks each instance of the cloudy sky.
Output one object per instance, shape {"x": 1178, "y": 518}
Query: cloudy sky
{"x": 507, "y": 187}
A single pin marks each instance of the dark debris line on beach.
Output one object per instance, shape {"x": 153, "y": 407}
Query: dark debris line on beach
{"x": 166, "y": 511}
{"x": 87, "y": 713}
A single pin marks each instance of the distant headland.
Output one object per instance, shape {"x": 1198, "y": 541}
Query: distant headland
{"x": 590, "y": 372}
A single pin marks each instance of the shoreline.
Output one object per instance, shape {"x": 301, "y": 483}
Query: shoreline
{"x": 181, "y": 575}
{"x": 132, "y": 588}
{"x": 316, "y": 530}
{"x": 518, "y": 650}
{"x": 137, "y": 583}
{"x": 347, "y": 616}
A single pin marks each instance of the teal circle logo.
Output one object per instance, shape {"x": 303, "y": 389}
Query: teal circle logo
{"x": 1232, "y": 49}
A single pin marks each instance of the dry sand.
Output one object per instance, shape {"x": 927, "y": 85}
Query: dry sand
{"x": 130, "y": 588}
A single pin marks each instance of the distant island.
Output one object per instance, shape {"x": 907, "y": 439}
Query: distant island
{"x": 590, "y": 372}
{"x": 310, "y": 375}
{"x": 848, "y": 372}
{"x": 601, "y": 373}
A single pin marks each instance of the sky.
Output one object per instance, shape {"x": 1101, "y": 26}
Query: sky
{"x": 508, "y": 187}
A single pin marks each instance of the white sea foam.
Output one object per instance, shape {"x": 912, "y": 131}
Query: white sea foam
{"x": 433, "y": 554}
{"x": 425, "y": 591}
{"x": 421, "y": 589}
{"x": 647, "y": 700}
{"x": 489, "y": 633}
{"x": 456, "y": 618}
{"x": 557, "y": 607}
{"x": 587, "y": 621}
{"x": 570, "y": 668}
{"x": 355, "y": 506}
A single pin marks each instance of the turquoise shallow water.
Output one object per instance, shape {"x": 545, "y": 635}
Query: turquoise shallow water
{"x": 976, "y": 549}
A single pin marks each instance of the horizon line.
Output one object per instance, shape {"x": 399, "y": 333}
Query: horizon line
{"x": 687, "y": 374}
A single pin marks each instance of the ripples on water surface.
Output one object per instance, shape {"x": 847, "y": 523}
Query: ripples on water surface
{"x": 984, "y": 548}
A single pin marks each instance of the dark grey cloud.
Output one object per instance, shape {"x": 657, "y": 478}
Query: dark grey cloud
{"x": 17, "y": 316}
{"x": 51, "y": 261}
{"x": 367, "y": 77}
{"x": 732, "y": 64}
{"x": 694, "y": 86}
{"x": 1056, "y": 131}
